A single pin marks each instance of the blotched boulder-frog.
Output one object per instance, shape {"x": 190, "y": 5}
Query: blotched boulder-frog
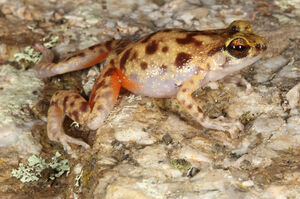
{"x": 166, "y": 63}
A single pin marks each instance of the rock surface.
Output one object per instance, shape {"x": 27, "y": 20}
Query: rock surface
{"x": 144, "y": 149}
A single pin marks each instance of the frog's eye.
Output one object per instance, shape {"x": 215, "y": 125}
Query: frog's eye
{"x": 238, "y": 48}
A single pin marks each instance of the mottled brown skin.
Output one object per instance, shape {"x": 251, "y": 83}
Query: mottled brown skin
{"x": 167, "y": 63}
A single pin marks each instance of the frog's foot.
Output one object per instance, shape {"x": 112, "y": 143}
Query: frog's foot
{"x": 239, "y": 80}
{"x": 64, "y": 139}
{"x": 223, "y": 124}
{"x": 55, "y": 131}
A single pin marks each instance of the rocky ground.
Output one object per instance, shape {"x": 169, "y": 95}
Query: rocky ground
{"x": 145, "y": 149}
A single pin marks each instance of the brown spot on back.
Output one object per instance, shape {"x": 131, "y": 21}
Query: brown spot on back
{"x": 144, "y": 65}
{"x": 183, "y": 90}
{"x": 190, "y": 106}
{"x": 165, "y": 49}
{"x": 215, "y": 50}
{"x": 124, "y": 59}
{"x": 189, "y": 39}
{"x": 84, "y": 107}
{"x": 151, "y": 48}
{"x": 182, "y": 59}
{"x": 186, "y": 40}
{"x": 72, "y": 104}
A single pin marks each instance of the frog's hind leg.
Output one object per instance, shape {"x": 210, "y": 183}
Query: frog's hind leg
{"x": 91, "y": 114}
{"x": 66, "y": 103}
{"x": 81, "y": 60}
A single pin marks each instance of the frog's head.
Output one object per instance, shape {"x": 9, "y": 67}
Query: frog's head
{"x": 241, "y": 48}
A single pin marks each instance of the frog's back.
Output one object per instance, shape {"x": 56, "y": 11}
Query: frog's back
{"x": 169, "y": 47}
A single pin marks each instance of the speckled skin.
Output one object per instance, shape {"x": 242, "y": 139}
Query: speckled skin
{"x": 167, "y": 63}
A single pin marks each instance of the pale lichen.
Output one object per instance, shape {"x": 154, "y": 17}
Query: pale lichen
{"x": 50, "y": 41}
{"x": 28, "y": 57}
{"x": 32, "y": 172}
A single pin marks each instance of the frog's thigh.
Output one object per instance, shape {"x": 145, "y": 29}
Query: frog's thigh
{"x": 103, "y": 98}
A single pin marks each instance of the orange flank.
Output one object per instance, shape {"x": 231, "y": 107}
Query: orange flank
{"x": 128, "y": 83}
{"x": 115, "y": 80}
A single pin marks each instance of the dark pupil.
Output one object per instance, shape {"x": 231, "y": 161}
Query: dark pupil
{"x": 238, "y": 51}
{"x": 239, "y": 47}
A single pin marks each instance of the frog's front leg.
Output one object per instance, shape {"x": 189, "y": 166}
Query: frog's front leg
{"x": 184, "y": 96}
{"x": 90, "y": 114}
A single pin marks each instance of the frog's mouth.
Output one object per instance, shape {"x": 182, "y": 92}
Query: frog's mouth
{"x": 230, "y": 67}
{"x": 236, "y": 65}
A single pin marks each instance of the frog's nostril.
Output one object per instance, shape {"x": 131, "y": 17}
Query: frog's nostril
{"x": 261, "y": 47}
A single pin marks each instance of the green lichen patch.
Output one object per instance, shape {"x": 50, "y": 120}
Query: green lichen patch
{"x": 36, "y": 165}
{"x": 181, "y": 164}
{"x": 50, "y": 41}
{"x": 28, "y": 57}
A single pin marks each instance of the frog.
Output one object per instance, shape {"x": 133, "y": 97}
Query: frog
{"x": 168, "y": 63}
